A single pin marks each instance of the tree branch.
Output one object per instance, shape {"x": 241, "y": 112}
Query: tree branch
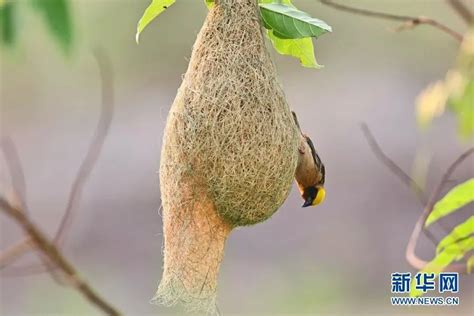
{"x": 408, "y": 21}
{"x": 15, "y": 168}
{"x": 14, "y": 252}
{"x": 95, "y": 146}
{"x": 462, "y": 10}
{"x": 55, "y": 256}
{"x": 398, "y": 172}
{"x": 17, "y": 176}
{"x": 19, "y": 187}
{"x": 391, "y": 165}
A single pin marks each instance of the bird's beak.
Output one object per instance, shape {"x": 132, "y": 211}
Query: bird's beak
{"x": 308, "y": 202}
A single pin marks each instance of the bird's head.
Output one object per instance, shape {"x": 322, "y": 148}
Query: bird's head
{"x": 313, "y": 195}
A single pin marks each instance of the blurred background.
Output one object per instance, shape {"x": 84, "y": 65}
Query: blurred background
{"x": 333, "y": 259}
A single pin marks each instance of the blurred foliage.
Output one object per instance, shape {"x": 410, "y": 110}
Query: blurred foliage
{"x": 421, "y": 167}
{"x": 7, "y": 22}
{"x": 455, "y": 92}
{"x": 55, "y": 13}
{"x": 289, "y": 29}
{"x": 460, "y": 241}
{"x": 209, "y": 3}
{"x": 470, "y": 264}
{"x": 57, "y": 18}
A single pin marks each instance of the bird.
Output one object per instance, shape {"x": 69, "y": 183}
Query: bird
{"x": 310, "y": 173}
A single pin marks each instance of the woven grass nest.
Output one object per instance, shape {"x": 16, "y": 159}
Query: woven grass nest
{"x": 229, "y": 152}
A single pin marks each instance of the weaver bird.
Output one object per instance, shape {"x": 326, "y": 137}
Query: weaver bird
{"x": 310, "y": 172}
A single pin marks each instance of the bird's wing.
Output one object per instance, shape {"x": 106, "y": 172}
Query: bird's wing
{"x": 296, "y": 120}
{"x": 317, "y": 161}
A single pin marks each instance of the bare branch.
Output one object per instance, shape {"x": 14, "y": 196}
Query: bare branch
{"x": 19, "y": 186}
{"x": 391, "y": 165}
{"x": 35, "y": 268}
{"x": 411, "y": 256}
{"x": 95, "y": 146}
{"x": 408, "y": 21}
{"x": 462, "y": 10}
{"x": 400, "y": 173}
{"x": 55, "y": 256}
{"x": 24, "y": 270}
{"x": 14, "y": 252}
{"x": 16, "y": 170}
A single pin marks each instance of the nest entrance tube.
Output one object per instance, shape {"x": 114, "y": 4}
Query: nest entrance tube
{"x": 229, "y": 151}
{"x": 194, "y": 247}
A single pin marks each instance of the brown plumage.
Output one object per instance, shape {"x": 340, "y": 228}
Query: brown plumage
{"x": 310, "y": 172}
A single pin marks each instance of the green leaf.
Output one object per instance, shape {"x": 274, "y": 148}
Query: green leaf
{"x": 57, "y": 17}
{"x": 154, "y": 9}
{"x": 458, "y": 197}
{"x": 7, "y": 22}
{"x": 453, "y": 252}
{"x": 288, "y": 22}
{"x": 460, "y": 232}
{"x": 301, "y": 48}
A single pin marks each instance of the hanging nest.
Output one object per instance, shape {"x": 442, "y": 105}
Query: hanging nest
{"x": 229, "y": 152}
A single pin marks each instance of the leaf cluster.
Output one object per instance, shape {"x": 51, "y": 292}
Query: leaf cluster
{"x": 289, "y": 29}
{"x": 457, "y": 244}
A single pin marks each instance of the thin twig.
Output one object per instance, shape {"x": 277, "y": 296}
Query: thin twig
{"x": 87, "y": 165}
{"x": 17, "y": 176}
{"x": 95, "y": 146}
{"x": 55, "y": 256}
{"x": 398, "y": 172}
{"x": 391, "y": 165}
{"x": 24, "y": 270}
{"x": 14, "y": 252}
{"x": 462, "y": 10}
{"x": 16, "y": 170}
{"x": 411, "y": 256}
{"x": 408, "y": 21}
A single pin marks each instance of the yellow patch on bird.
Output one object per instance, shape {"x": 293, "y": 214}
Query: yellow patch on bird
{"x": 320, "y": 196}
